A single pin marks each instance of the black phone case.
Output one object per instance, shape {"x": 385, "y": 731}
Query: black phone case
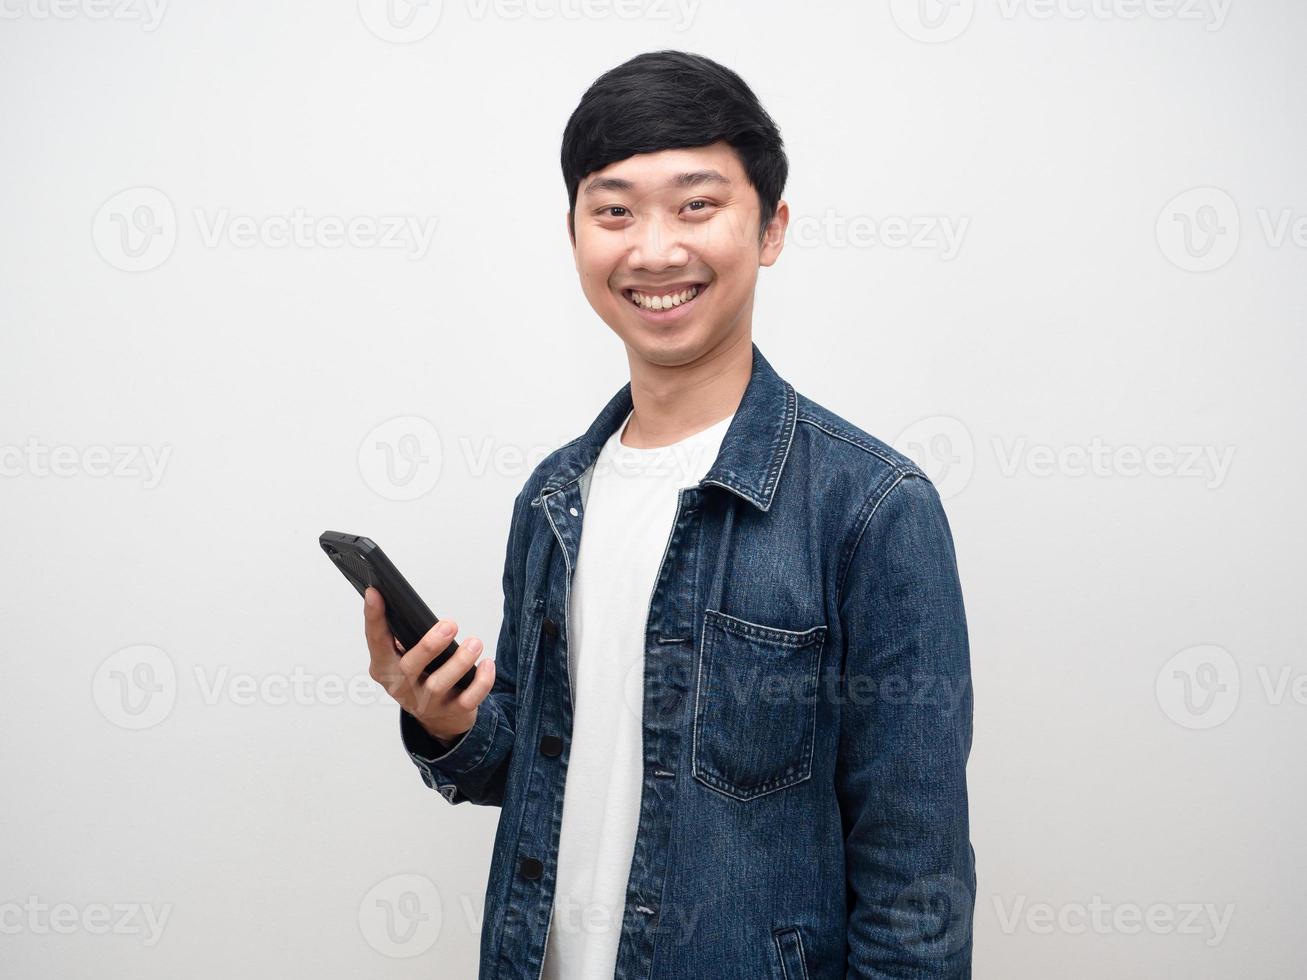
{"x": 363, "y": 563}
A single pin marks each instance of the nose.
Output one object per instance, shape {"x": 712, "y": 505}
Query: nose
{"x": 654, "y": 245}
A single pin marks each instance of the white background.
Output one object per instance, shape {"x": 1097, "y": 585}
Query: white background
{"x": 1134, "y": 624}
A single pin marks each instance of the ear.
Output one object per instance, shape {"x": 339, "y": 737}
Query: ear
{"x": 773, "y": 239}
{"x": 571, "y": 233}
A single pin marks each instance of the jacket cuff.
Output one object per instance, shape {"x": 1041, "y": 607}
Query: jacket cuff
{"x": 440, "y": 765}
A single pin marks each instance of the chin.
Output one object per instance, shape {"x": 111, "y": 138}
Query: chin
{"x": 666, "y": 350}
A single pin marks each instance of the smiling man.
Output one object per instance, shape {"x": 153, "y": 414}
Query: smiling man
{"x": 729, "y": 713}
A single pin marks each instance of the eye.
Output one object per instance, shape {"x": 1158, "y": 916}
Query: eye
{"x": 610, "y": 212}
{"x": 700, "y": 201}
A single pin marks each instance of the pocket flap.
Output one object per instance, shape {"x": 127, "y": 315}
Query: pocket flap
{"x": 789, "y": 950}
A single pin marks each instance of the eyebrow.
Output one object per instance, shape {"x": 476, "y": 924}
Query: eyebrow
{"x": 693, "y": 178}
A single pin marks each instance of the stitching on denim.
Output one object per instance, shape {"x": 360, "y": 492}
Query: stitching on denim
{"x": 434, "y": 766}
{"x": 704, "y": 649}
{"x": 766, "y": 788}
{"x": 787, "y": 431}
{"x": 490, "y": 740}
{"x": 524, "y": 689}
{"x": 775, "y": 634}
{"x": 878, "y": 496}
{"x": 816, "y": 685}
{"x": 548, "y": 489}
{"x": 434, "y": 760}
{"x": 780, "y": 953}
{"x": 853, "y": 440}
{"x": 567, "y": 597}
{"x": 497, "y": 949}
{"x": 522, "y": 695}
{"x": 803, "y": 958}
{"x": 763, "y": 788}
{"x": 544, "y": 955}
{"x": 778, "y": 937}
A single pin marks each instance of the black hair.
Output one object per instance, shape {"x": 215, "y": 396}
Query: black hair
{"x": 663, "y": 100}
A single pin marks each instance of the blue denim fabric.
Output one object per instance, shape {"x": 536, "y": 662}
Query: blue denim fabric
{"x": 807, "y": 715}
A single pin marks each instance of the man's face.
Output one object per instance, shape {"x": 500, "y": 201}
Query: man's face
{"x": 667, "y": 247}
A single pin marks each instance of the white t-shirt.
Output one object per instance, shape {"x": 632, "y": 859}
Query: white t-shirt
{"x": 628, "y": 518}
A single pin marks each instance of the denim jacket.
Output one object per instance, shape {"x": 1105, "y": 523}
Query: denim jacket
{"x": 806, "y": 716}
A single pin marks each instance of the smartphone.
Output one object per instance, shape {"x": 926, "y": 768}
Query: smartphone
{"x": 363, "y": 563}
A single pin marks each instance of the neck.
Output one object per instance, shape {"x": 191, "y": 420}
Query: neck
{"x": 672, "y": 402}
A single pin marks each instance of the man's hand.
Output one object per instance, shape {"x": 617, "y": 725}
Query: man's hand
{"x": 446, "y": 714}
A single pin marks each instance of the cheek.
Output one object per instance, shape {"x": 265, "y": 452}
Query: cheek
{"x": 589, "y": 274}
{"x": 726, "y": 266}
{"x": 595, "y": 265}
{"x": 596, "y": 280}
{"x": 728, "y": 236}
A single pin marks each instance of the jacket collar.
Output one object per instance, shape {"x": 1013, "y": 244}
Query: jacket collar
{"x": 752, "y": 452}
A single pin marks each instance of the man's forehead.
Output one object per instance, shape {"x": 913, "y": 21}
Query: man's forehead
{"x": 679, "y": 168}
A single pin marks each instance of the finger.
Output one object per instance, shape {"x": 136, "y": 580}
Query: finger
{"x": 380, "y": 643}
{"x": 441, "y": 680}
{"x": 476, "y": 692}
{"x": 383, "y": 667}
{"x": 435, "y": 642}
{"x": 430, "y": 695}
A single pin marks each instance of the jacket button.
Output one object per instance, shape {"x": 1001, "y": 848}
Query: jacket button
{"x": 551, "y": 745}
{"x": 531, "y": 868}
{"x": 550, "y": 627}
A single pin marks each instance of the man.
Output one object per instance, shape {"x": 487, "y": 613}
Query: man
{"x": 728, "y": 722}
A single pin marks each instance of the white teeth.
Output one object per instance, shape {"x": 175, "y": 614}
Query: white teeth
{"x": 664, "y": 302}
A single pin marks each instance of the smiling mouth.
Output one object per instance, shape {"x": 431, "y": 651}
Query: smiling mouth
{"x": 663, "y": 303}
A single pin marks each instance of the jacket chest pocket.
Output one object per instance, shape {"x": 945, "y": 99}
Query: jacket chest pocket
{"x": 755, "y": 714}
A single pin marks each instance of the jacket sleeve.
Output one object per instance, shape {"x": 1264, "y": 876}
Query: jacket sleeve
{"x": 475, "y": 767}
{"x": 905, "y": 734}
